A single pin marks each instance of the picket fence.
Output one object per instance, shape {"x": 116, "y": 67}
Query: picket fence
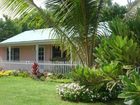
{"x": 49, "y": 66}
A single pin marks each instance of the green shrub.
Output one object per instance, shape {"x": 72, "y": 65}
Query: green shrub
{"x": 111, "y": 74}
{"x": 112, "y": 70}
{"x": 131, "y": 90}
{"x": 118, "y": 48}
{"x": 60, "y": 76}
{"x": 42, "y": 78}
{"x": 60, "y": 80}
{"x": 24, "y": 74}
{"x": 88, "y": 77}
{"x": 21, "y": 73}
{"x": 94, "y": 84}
{"x": 96, "y": 78}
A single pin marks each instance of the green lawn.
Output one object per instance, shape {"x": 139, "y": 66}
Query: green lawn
{"x": 25, "y": 91}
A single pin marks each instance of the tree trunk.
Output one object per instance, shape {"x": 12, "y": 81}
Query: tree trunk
{"x": 93, "y": 37}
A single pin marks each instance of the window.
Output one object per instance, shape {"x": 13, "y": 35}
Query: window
{"x": 57, "y": 54}
{"x": 41, "y": 54}
{"x": 14, "y": 54}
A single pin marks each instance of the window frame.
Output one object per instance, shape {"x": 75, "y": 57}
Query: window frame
{"x": 15, "y": 54}
{"x": 41, "y": 54}
{"x": 60, "y": 55}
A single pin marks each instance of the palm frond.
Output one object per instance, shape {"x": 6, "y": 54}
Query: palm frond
{"x": 16, "y": 8}
{"x": 132, "y": 8}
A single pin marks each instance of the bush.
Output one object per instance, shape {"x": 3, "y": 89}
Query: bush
{"x": 60, "y": 76}
{"x": 6, "y": 72}
{"x": 112, "y": 73}
{"x": 61, "y": 80}
{"x": 75, "y": 92}
{"x": 21, "y": 73}
{"x": 131, "y": 90}
{"x": 96, "y": 78}
{"x": 35, "y": 70}
{"x": 88, "y": 77}
{"x": 42, "y": 78}
{"x": 102, "y": 84}
{"x": 24, "y": 74}
{"x": 118, "y": 48}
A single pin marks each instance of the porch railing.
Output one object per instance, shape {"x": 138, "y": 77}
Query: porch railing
{"x": 49, "y": 66}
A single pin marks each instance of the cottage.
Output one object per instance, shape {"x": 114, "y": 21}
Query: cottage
{"x": 20, "y": 51}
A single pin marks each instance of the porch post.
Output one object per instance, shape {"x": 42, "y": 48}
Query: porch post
{"x": 51, "y": 51}
{"x": 9, "y": 49}
{"x": 36, "y": 49}
{"x": 71, "y": 58}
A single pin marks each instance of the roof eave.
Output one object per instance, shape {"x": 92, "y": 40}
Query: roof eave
{"x": 23, "y": 43}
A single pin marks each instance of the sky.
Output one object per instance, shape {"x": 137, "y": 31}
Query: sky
{"x": 40, "y": 3}
{"x": 121, "y": 2}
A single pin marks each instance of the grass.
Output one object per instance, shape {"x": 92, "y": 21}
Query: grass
{"x": 25, "y": 91}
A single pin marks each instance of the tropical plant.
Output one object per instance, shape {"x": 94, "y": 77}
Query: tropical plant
{"x": 134, "y": 25}
{"x": 131, "y": 90}
{"x": 112, "y": 70}
{"x": 126, "y": 27}
{"x": 35, "y": 71}
{"x": 120, "y": 27}
{"x": 93, "y": 84}
{"x": 89, "y": 77}
{"x": 105, "y": 76}
{"x": 118, "y": 48}
{"x": 111, "y": 74}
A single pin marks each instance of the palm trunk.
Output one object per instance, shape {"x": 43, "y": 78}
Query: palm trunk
{"x": 85, "y": 32}
{"x": 93, "y": 40}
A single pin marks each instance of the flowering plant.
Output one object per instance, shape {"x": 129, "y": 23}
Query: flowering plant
{"x": 6, "y": 72}
{"x": 75, "y": 92}
{"x": 35, "y": 69}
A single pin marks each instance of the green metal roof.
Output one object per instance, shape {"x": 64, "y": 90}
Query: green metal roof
{"x": 31, "y": 36}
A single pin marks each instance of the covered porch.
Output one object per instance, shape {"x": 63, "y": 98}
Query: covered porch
{"x": 22, "y": 50}
{"x": 47, "y": 56}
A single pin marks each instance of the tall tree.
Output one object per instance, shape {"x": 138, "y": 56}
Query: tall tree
{"x": 8, "y": 28}
{"x": 114, "y": 11}
{"x": 32, "y": 21}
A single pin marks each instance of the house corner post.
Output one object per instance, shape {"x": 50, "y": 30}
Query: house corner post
{"x": 36, "y": 51}
{"x": 9, "y": 50}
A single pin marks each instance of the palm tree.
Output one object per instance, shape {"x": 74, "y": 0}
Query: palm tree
{"x": 132, "y": 8}
{"x": 74, "y": 21}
